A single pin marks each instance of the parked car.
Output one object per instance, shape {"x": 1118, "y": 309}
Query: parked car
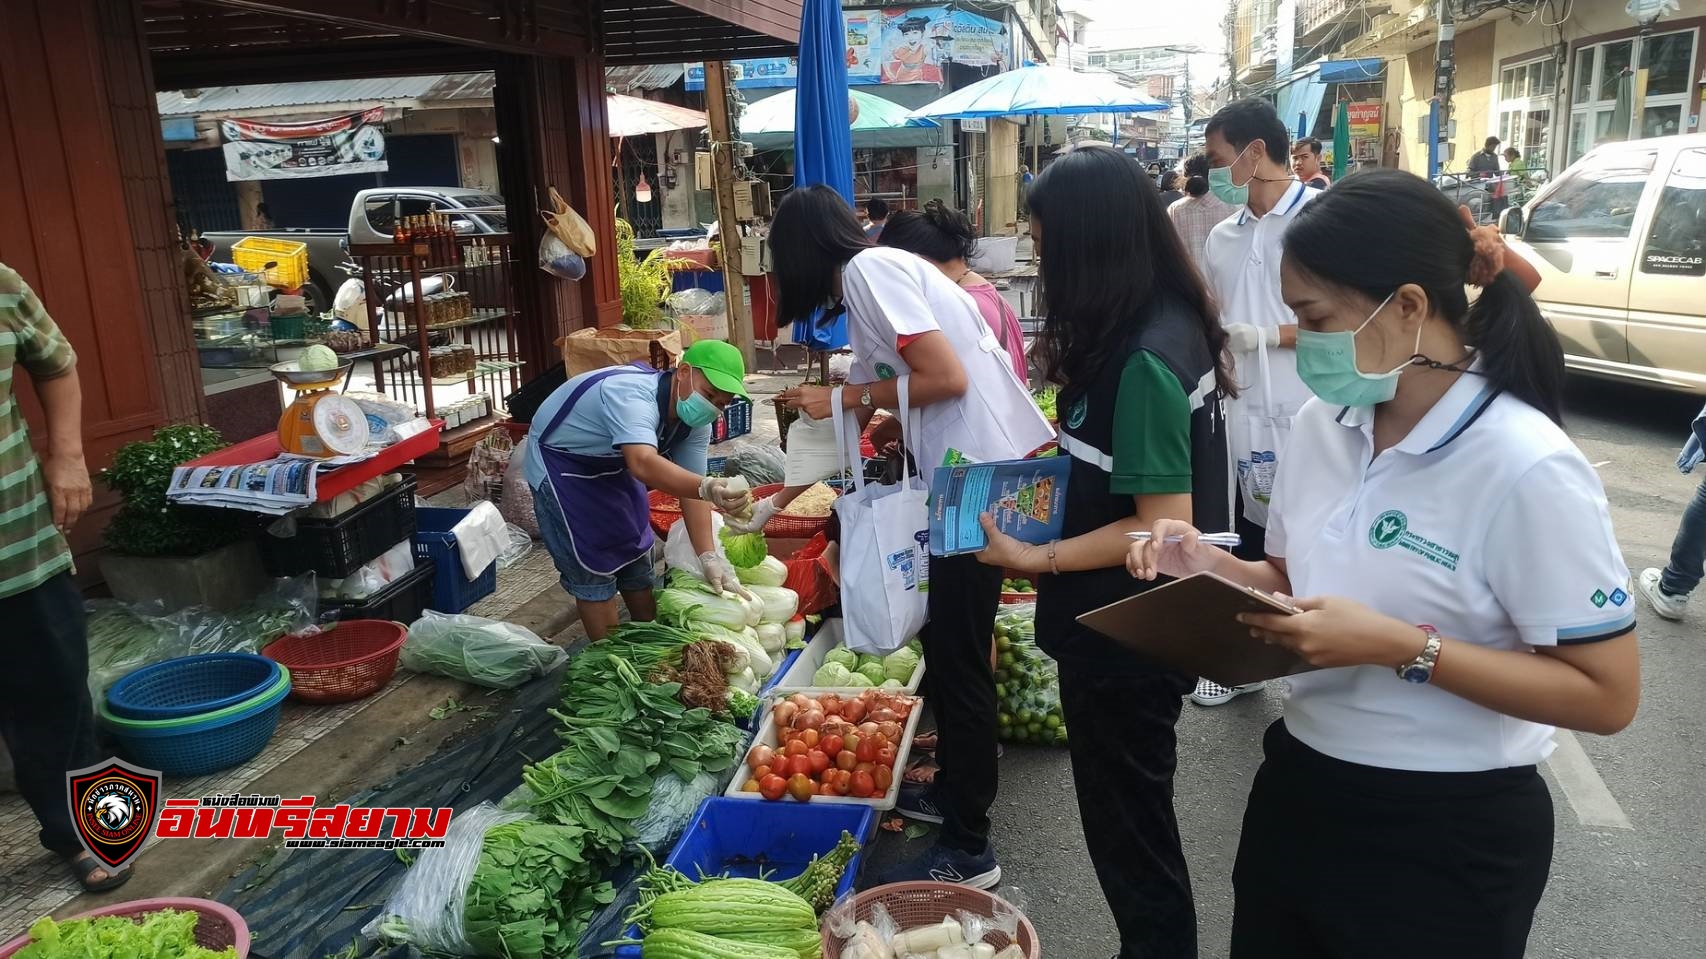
{"x": 372, "y": 219}
{"x": 1619, "y": 239}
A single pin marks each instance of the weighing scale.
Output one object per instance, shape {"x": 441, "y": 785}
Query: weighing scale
{"x": 321, "y": 421}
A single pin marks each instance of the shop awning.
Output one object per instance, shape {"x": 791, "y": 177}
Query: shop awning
{"x": 1352, "y": 71}
{"x": 1298, "y": 103}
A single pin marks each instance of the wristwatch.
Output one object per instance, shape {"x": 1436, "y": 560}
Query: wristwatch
{"x": 865, "y": 397}
{"x": 1421, "y": 669}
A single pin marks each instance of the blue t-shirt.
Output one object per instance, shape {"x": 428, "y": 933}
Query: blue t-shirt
{"x": 620, "y": 410}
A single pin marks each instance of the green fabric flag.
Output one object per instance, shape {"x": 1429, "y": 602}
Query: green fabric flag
{"x": 1341, "y": 139}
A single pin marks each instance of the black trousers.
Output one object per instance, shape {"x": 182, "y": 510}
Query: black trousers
{"x": 1252, "y": 539}
{"x": 963, "y": 597}
{"x": 1344, "y": 861}
{"x": 1124, "y": 751}
{"x": 45, "y": 713}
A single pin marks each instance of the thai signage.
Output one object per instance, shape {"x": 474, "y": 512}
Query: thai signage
{"x": 1364, "y": 117}
{"x": 353, "y": 143}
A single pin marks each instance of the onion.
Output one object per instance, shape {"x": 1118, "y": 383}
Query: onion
{"x": 785, "y": 713}
{"x": 868, "y": 729}
{"x": 812, "y": 704}
{"x": 852, "y": 710}
{"x": 830, "y": 703}
{"x": 760, "y": 756}
{"x": 799, "y": 700}
{"x": 883, "y": 714}
{"x": 889, "y": 731}
{"x": 834, "y": 726}
{"x": 811, "y": 719}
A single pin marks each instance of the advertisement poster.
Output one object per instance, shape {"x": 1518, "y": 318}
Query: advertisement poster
{"x": 353, "y": 143}
{"x": 893, "y": 45}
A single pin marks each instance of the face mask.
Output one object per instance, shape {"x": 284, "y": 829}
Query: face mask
{"x": 1221, "y": 185}
{"x": 1327, "y": 364}
{"x": 695, "y": 410}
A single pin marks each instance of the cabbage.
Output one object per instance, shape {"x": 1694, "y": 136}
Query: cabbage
{"x": 872, "y": 672}
{"x": 795, "y": 630}
{"x": 900, "y": 664}
{"x": 745, "y": 550}
{"x": 780, "y": 603}
{"x": 771, "y": 637}
{"x": 916, "y": 645}
{"x": 316, "y": 359}
{"x": 770, "y": 572}
{"x": 741, "y": 659}
{"x": 690, "y": 609}
{"x": 892, "y": 684}
{"x": 858, "y": 680}
{"x": 832, "y": 674}
{"x": 841, "y": 654}
{"x": 745, "y": 681}
{"x": 866, "y": 659}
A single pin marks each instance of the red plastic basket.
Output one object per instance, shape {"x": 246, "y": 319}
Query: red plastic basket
{"x": 217, "y": 926}
{"x": 354, "y": 659}
{"x": 914, "y": 904}
{"x": 666, "y": 509}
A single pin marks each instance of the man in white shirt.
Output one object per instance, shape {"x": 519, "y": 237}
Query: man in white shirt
{"x": 1249, "y": 167}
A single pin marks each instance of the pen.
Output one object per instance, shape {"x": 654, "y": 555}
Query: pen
{"x": 1213, "y": 539}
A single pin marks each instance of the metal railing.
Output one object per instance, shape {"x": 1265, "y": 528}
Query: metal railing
{"x": 1487, "y": 195}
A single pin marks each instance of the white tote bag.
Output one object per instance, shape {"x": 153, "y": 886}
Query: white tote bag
{"x": 1259, "y": 439}
{"x": 885, "y": 546}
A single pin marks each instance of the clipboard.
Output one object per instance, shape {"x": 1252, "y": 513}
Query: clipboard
{"x": 1190, "y": 625}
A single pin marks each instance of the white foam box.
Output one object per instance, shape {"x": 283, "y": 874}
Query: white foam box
{"x": 798, "y": 678}
{"x": 769, "y": 736}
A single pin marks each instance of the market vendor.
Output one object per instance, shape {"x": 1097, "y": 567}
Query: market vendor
{"x": 598, "y": 443}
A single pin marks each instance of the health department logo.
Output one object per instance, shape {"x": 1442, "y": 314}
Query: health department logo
{"x": 885, "y": 371}
{"x": 1388, "y": 529}
{"x": 1080, "y": 409}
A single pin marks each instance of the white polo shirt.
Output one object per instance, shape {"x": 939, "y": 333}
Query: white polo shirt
{"x": 1485, "y": 522}
{"x": 1241, "y": 261}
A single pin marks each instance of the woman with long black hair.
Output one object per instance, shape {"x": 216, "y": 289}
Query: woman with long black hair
{"x": 1137, "y": 350}
{"x": 1462, "y": 595}
{"x": 906, "y": 320}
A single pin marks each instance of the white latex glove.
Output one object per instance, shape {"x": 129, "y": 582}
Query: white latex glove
{"x": 720, "y": 576}
{"x": 763, "y": 511}
{"x": 715, "y": 490}
{"x": 1244, "y": 338}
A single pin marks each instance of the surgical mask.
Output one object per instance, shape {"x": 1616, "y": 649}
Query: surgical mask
{"x": 695, "y": 410}
{"x": 1221, "y": 185}
{"x": 1327, "y": 364}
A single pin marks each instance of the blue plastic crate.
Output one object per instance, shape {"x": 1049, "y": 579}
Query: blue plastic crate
{"x": 735, "y": 421}
{"x": 741, "y": 838}
{"x": 452, "y": 592}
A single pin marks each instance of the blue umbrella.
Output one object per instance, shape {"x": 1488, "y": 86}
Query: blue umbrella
{"x": 823, "y": 138}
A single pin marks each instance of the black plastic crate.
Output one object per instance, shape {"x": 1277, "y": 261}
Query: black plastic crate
{"x": 337, "y": 547}
{"x": 401, "y": 602}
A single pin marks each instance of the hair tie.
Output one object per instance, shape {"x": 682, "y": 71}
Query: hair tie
{"x": 1488, "y": 259}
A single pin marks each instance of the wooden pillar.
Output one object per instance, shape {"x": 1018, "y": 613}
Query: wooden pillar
{"x": 728, "y": 226}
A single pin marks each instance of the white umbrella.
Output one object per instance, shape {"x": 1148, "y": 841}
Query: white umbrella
{"x": 634, "y": 116}
{"x": 1040, "y": 91}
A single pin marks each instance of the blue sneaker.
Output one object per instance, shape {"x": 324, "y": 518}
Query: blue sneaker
{"x": 941, "y": 864}
{"x": 918, "y": 801}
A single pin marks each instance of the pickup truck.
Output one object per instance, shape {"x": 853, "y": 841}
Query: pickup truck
{"x": 372, "y": 219}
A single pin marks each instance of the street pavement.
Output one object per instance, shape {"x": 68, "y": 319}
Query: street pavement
{"x": 1615, "y": 892}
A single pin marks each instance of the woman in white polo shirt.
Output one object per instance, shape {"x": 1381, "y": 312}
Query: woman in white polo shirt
{"x": 1462, "y": 590}
{"x": 906, "y": 318}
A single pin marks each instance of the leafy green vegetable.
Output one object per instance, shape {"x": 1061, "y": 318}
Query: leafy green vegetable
{"x": 900, "y": 664}
{"x": 847, "y": 658}
{"x": 872, "y": 672}
{"x": 780, "y": 603}
{"x": 744, "y": 550}
{"x": 769, "y": 572}
{"x": 832, "y": 675}
{"x": 690, "y": 608}
{"x": 167, "y": 934}
{"x": 533, "y": 891}
{"x": 742, "y": 704}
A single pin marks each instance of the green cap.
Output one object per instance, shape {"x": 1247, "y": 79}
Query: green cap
{"x": 721, "y": 363}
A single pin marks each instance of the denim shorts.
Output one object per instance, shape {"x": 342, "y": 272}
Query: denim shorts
{"x": 577, "y": 580}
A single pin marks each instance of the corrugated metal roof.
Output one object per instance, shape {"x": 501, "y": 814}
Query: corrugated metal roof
{"x": 657, "y": 77}
{"x": 266, "y": 96}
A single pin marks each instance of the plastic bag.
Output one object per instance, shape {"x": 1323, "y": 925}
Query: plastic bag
{"x": 392, "y": 565}
{"x": 761, "y": 463}
{"x": 673, "y": 803}
{"x": 516, "y": 501}
{"x": 695, "y": 301}
{"x": 124, "y": 638}
{"x": 478, "y": 650}
{"x": 520, "y": 544}
{"x": 488, "y": 462}
{"x": 426, "y": 910}
{"x": 290, "y": 606}
{"x": 557, "y": 259}
{"x": 1027, "y": 681}
{"x": 678, "y": 552}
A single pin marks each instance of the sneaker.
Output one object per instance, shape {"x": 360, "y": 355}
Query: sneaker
{"x": 1211, "y": 693}
{"x": 941, "y": 864}
{"x": 1663, "y": 603}
{"x": 918, "y": 801}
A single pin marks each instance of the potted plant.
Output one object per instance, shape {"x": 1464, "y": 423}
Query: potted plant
{"x": 158, "y": 550}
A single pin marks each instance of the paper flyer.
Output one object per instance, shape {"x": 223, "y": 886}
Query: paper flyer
{"x": 1027, "y": 499}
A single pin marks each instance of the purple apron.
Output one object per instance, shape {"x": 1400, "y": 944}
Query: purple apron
{"x": 605, "y": 509}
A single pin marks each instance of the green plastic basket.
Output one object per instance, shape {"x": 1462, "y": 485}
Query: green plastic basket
{"x": 160, "y": 725}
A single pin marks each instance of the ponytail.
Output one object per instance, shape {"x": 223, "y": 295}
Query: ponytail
{"x": 1519, "y": 352}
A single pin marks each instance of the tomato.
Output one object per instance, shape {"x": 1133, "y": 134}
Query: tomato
{"x": 829, "y": 786}
{"x": 759, "y": 756}
{"x": 772, "y": 787}
{"x": 846, "y": 759}
{"x": 884, "y": 777}
{"x": 800, "y": 765}
{"x": 851, "y": 741}
{"x": 800, "y": 787}
{"x": 842, "y": 779}
{"x": 864, "y": 768}
{"x": 796, "y": 748}
{"x": 886, "y": 755}
{"x": 867, "y": 751}
{"x": 830, "y": 744}
{"x": 763, "y": 771}
{"x": 810, "y": 737}
{"x": 750, "y": 786}
{"x": 863, "y": 785}
{"x": 819, "y": 760}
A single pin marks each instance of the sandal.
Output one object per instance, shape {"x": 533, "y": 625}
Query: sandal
{"x": 84, "y": 866}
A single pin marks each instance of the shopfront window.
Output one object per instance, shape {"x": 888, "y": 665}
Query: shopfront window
{"x": 1526, "y": 91}
{"x": 1601, "y": 75}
